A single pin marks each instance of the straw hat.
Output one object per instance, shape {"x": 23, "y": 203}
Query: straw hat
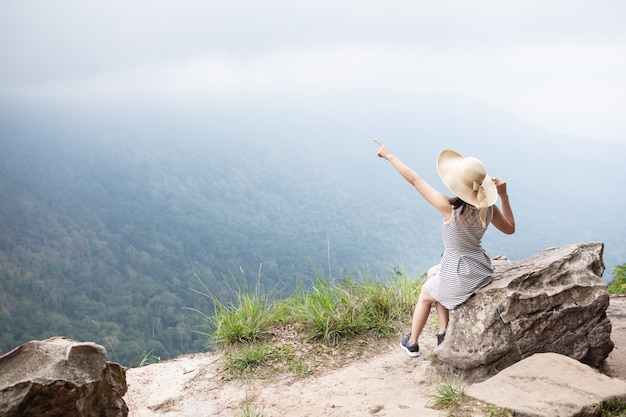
{"x": 467, "y": 178}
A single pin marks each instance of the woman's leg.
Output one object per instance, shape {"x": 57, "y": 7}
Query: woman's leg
{"x": 444, "y": 316}
{"x": 442, "y": 313}
{"x": 422, "y": 310}
{"x": 420, "y": 315}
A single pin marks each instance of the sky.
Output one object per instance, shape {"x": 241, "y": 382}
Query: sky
{"x": 557, "y": 64}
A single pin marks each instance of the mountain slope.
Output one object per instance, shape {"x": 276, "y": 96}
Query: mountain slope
{"x": 110, "y": 218}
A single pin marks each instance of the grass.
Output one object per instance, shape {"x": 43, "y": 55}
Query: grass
{"x": 449, "y": 396}
{"x": 249, "y": 411}
{"x": 327, "y": 312}
{"x": 251, "y": 356}
{"x": 262, "y": 360}
{"x": 614, "y": 407}
{"x": 148, "y": 359}
{"x": 332, "y": 312}
{"x": 248, "y": 320}
{"x": 618, "y": 283}
{"x": 448, "y": 393}
{"x": 493, "y": 411}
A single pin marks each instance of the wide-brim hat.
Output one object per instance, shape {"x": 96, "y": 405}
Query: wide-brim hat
{"x": 467, "y": 178}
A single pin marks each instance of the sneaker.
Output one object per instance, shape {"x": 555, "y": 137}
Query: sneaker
{"x": 411, "y": 350}
{"x": 440, "y": 337}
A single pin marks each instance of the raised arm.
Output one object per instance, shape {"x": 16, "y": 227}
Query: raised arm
{"x": 503, "y": 220}
{"x": 434, "y": 197}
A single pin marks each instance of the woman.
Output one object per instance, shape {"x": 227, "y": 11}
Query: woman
{"x": 464, "y": 266}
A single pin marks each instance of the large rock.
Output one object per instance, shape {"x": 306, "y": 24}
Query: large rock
{"x": 549, "y": 385}
{"x": 552, "y": 302}
{"x": 61, "y": 377}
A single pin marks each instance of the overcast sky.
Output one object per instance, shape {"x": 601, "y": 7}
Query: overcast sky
{"x": 556, "y": 64}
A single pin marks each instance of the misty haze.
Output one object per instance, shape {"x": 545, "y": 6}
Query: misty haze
{"x": 150, "y": 153}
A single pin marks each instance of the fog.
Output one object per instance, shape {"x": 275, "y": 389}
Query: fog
{"x": 537, "y": 90}
{"x": 557, "y": 65}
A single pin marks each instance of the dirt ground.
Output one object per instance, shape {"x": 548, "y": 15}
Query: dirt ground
{"x": 385, "y": 382}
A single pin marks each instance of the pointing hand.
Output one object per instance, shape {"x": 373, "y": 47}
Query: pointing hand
{"x": 382, "y": 151}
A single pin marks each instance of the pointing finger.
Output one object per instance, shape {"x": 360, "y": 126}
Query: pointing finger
{"x": 378, "y": 142}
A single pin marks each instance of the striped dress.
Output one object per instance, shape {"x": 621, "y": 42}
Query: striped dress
{"x": 464, "y": 266}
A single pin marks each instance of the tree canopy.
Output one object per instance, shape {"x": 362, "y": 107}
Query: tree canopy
{"x": 112, "y": 231}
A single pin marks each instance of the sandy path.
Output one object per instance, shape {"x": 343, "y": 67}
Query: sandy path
{"x": 388, "y": 384}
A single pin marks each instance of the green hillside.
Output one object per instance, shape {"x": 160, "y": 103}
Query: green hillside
{"x": 110, "y": 227}
{"x": 105, "y": 235}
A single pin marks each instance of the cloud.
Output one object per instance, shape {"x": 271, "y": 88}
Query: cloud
{"x": 559, "y": 65}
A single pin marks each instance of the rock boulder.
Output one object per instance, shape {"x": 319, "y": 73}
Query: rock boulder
{"x": 552, "y": 302}
{"x": 61, "y": 377}
{"x": 548, "y": 385}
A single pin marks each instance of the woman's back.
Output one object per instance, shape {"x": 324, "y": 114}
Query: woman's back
{"x": 465, "y": 267}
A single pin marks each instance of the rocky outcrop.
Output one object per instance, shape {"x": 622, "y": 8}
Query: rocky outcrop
{"x": 61, "y": 377}
{"x": 548, "y": 385}
{"x": 552, "y": 302}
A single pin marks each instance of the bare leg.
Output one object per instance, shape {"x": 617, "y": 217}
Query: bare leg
{"x": 444, "y": 316}
{"x": 422, "y": 310}
{"x": 420, "y": 315}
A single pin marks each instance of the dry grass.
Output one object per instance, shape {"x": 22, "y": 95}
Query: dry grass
{"x": 287, "y": 351}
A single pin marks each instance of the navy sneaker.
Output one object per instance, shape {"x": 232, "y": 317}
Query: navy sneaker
{"x": 411, "y": 350}
{"x": 440, "y": 337}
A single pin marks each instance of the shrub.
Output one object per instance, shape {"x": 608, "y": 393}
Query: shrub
{"x": 618, "y": 285}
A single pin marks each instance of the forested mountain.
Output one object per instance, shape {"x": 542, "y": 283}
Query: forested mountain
{"x": 111, "y": 220}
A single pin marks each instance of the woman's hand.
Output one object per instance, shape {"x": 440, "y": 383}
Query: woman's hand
{"x": 503, "y": 220}
{"x": 500, "y": 186}
{"x": 382, "y": 151}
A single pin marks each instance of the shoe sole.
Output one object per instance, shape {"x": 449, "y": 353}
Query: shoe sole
{"x": 408, "y": 352}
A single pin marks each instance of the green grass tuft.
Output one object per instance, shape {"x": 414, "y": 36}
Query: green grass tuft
{"x": 349, "y": 308}
{"x": 447, "y": 393}
{"x": 247, "y": 358}
{"x": 614, "y": 407}
{"x": 247, "y": 320}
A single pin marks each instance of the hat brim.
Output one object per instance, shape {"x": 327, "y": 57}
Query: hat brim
{"x": 448, "y": 168}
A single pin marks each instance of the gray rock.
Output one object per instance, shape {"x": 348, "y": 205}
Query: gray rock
{"x": 548, "y": 385}
{"x": 552, "y": 302}
{"x": 61, "y": 377}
